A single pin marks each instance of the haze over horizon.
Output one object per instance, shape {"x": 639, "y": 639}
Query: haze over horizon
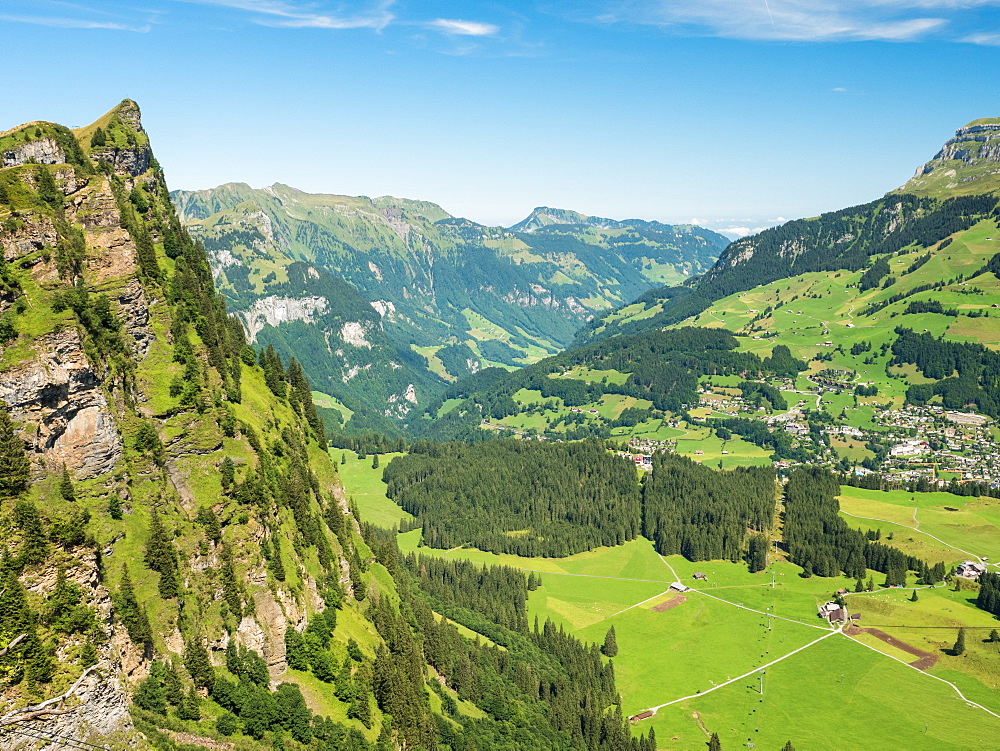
{"x": 728, "y": 114}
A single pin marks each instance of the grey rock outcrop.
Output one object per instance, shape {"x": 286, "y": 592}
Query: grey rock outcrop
{"x": 58, "y": 394}
{"x": 42, "y": 151}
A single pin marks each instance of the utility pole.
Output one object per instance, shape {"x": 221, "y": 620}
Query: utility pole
{"x": 761, "y": 682}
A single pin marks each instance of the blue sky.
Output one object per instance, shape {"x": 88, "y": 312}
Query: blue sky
{"x": 731, "y": 112}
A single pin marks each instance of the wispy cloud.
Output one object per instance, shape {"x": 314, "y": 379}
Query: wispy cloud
{"x": 464, "y": 28}
{"x": 989, "y": 40}
{"x": 74, "y": 23}
{"x": 792, "y": 20}
{"x": 292, "y": 16}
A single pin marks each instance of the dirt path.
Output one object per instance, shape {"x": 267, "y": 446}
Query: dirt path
{"x": 925, "y": 660}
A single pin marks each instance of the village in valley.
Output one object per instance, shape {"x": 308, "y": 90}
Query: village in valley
{"x": 926, "y": 446}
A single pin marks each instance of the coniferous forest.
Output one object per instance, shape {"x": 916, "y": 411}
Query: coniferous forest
{"x": 518, "y": 497}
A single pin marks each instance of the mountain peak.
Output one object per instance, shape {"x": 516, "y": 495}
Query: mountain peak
{"x": 543, "y": 216}
{"x": 968, "y": 163}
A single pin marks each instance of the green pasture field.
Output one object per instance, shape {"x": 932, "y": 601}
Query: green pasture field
{"x": 589, "y": 375}
{"x": 973, "y": 528}
{"x": 654, "y": 429}
{"x": 835, "y": 693}
{"x": 365, "y": 486}
{"x": 325, "y": 400}
{"x": 740, "y": 453}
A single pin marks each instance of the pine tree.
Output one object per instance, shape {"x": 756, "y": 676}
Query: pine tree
{"x": 190, "y": 706}
{"x": 714, "y": 744}
{"x": 870, "y": 585}
{"x": 130, "y": 613}
{"x": 14, "y": 465}
{"x": 788, "y": 747}
{"x": 66, "y": 485}
{"x": 275, "y": 564}
{"x": 375, "y": 462}
{"x": 98, "y": 138}
{"x": 994, "y": 636}
{"x": 959, "y": 649}
{"x": 173, "y": 690}
{"x": 115, "y": 507}
{"x": 227, "y": 474}
{"x": 35, "y": 546}
{"x": 198, "y": 664}
{"x": 913, "y": 597}
{"x": 610, "y": 646}
{"x": 161, "y": 557}
{"x": 149, "y": 695}
{"x": 343, "y": 457}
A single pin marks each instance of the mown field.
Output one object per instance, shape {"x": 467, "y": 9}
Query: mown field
{"x": 838, "y": 692}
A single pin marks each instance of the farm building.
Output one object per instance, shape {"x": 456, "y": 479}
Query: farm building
{"x": 700, "y": 576}
{"x": 970, "y": 570}
{"x": 833, "y": 612}
{"x": 641, "y": 716}
{"x": 678, "y": 587}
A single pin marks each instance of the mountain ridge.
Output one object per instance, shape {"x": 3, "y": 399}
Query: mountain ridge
{"x": 452, "y": 296}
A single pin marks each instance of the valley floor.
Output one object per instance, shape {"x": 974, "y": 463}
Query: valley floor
{"x": 746, "y": 656}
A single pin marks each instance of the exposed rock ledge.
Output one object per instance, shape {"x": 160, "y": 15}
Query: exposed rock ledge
{"x": 59, "y": 395}
{"x": 273, "y": 310}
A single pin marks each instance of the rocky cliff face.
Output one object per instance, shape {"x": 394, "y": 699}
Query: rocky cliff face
{"x": 969, "y": 162}
{"x": 129, "y": 387}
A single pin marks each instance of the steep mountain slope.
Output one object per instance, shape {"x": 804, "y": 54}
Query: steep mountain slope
{"x": 178, "y": 562}
{"x": 949, "y": 194}
{"x": 451, "y": 296}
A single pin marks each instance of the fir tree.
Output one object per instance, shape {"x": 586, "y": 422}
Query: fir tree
{"x": 14, "y": 465}
{"x": 227, "y": 474}
{"x": 375, "y": 462}
{"x": 714, "y": 744}
{"x": 173, "y": 690}
{"x": 610, "y": 646}
{"x": 115, "y": 507}
{"x": 959, "y": 648}
{"x": 34, "y": 547}
{"x": 98, "y": 138}
{"x": 994, "y": 636}
{"x": 913, "y": 597}
{"x": 788, "y": 747}
{"x": 131, "y": 613}
{"x": 343, "y": 457}
{"x": 190, "y": 706}
{"x": 149, "y": 695}
{"x": 198, "y": 664}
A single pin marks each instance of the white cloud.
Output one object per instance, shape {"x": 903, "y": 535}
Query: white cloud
{"x": 74, "y": 23}
{"x": 464, "y": 28}
{"x": 291, "y": 16}
{"x": 988, "y": 40}
{"x": 789, "y": 20}
{"x": 735, "y": 232}
{"x": 838, "y": 89}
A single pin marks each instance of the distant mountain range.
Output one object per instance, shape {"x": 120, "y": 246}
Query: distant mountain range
{"x": 387, "y": 300}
